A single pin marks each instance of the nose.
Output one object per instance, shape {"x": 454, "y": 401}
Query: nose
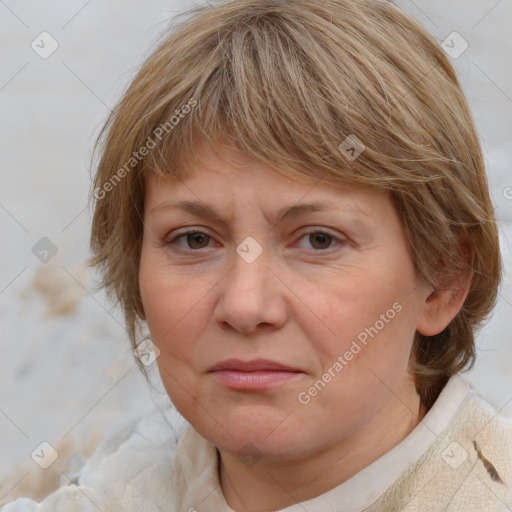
{"x": 251, "y": 296}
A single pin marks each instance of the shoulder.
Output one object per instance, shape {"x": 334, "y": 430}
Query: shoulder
{"x": 131, "y": 467}
{"x": 480, "y": 441}
{"x": 468, "y": 467}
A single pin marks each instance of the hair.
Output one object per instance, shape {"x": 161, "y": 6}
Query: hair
{"x": 287, "y": 81}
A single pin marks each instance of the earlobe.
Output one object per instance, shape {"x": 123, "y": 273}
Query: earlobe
{"x": 442, "y": 305}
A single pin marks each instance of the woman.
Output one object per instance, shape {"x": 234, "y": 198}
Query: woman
{"x": 292, "y": 197}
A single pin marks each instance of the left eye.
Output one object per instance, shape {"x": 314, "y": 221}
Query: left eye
{"x": 319, "y": 239}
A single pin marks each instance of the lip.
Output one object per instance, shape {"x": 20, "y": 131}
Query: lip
{"x": 258, "y": 374}
{"x": 253, "y": 366}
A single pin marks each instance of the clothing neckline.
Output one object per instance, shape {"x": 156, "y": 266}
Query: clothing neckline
{"x": 196, "y": 483}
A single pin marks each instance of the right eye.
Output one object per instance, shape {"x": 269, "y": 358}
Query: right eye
{"x": 194, "y": 240}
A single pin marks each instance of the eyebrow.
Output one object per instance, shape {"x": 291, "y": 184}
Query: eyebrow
{"x": 205, "y": 211}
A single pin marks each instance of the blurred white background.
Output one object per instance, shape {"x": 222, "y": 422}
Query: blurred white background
{"x": 66, "y": 367}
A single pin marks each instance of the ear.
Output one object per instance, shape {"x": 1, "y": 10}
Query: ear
{"x": 441, "y": 306}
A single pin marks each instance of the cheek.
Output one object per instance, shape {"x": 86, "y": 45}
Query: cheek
{"x": 174, "y": 312}
{"x": 365, "y": 355}
{"x": 169, "y": 308}
{"x": 167, "y": 299}
{"x": 178, "y": 310}
{"x": 370, "y": 314}
{"x": 165, "y": 291}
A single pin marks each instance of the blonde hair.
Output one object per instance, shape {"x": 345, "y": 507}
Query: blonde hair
{"x": 288, "y": 81}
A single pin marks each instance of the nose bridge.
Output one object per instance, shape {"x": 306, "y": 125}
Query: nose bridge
{"x": 249, "y": 291}
{"x": 249, "y": 266}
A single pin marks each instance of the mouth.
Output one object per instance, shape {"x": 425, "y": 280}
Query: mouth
{"x": 258, "y": 374}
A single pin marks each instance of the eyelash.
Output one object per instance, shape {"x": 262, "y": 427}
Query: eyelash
{"x": 309, "y": 232}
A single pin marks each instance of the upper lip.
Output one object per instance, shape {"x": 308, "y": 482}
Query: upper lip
{"x": 252, "y": 366}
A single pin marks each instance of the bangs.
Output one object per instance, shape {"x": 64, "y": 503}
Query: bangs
{"x": 301, "y": 105}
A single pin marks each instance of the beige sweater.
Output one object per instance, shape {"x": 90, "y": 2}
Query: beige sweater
{"x": 459, "y": 458}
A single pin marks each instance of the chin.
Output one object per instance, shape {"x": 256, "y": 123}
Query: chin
{"x": 258, "y": 433}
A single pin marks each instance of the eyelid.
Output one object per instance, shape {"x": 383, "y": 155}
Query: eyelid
{"x": 318, "y": 229}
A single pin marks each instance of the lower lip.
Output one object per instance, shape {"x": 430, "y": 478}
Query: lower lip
{"x": 256, "y": 380}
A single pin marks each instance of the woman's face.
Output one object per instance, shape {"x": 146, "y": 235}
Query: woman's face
{"x": 283, "y": 328}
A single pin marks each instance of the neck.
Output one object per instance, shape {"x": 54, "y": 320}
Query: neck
{"x": 272, "y": 485}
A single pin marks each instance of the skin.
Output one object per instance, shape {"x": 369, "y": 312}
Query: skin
{"x": 302, "y": 302}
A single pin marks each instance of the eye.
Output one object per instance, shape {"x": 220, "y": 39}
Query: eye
{"x": 320, "y": 240}
{"x": 194, "y": 240}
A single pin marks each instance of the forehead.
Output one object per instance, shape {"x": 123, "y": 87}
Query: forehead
{"x": 224, "y": 183}
{"x": 223, "y": 168}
